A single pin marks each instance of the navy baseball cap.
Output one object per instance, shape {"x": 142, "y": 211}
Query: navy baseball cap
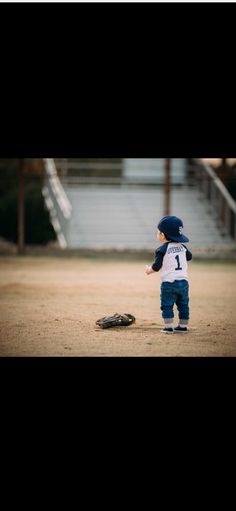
{"x": 172, "y": 227}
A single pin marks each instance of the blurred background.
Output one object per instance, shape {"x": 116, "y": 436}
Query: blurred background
{"x": 77, "y": 204}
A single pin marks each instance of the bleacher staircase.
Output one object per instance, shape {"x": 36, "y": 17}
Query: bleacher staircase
{"x": 125, "y": 215}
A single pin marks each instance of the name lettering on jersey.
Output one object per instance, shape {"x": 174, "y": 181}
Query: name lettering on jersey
{"x": 173, "y": 250}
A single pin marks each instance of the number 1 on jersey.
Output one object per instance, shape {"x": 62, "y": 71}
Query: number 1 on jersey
{"x": 178, "y": 262}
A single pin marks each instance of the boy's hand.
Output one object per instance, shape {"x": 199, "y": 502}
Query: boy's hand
{"x": 149, "y": 270}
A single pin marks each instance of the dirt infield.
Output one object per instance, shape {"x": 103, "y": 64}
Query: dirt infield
{"x": 48, "y": 307}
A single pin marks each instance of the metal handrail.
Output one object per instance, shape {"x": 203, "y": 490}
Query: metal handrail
{"x": 84, "y": 166}
{"x": 57, "y": 202}
{"x": 222, "y": 205}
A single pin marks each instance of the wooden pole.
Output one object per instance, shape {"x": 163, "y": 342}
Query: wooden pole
{"x": 21, "y": 208}
{"x": 223, "y": 173}
{"x": 167, "y": 187}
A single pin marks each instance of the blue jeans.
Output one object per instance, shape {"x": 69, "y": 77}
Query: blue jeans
{"x": 175, "y": 293}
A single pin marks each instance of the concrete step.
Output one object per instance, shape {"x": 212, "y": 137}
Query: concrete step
{"x": 119, "y": 217}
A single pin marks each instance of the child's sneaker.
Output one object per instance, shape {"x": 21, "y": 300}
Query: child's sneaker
{"x": 167, "y": 330}
{"x": 180, "y": 329}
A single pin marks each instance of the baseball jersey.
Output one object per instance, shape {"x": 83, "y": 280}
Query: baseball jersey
{"x": 171, "y": 260}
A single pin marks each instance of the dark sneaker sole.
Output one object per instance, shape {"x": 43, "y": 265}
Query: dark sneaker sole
{"x": 167, "y": 332}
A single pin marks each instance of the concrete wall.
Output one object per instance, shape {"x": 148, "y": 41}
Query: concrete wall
{"x": 152, "y": 170}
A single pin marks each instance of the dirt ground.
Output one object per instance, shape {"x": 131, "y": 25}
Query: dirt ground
{"x": 48, "y": 307}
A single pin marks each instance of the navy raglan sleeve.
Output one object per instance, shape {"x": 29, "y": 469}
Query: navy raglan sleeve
{"x": 159, "y": 254}
{"x": 189, "y": 254}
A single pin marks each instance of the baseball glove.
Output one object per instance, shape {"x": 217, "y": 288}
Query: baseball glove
{"x": 116, "y": 320}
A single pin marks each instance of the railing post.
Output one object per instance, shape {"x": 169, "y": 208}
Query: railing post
{"x": 213, "y": 200}
{"x": 218, "y": 208}
{"x": 227, "y": 218}
{"x": 211, "y": 195}
{"x": 223, "y": 215}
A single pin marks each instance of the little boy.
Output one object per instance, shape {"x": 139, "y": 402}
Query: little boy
{"x": 171, "y": 259}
